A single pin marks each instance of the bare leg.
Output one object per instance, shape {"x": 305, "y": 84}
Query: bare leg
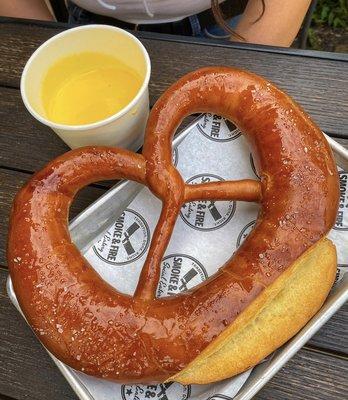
{"x": 31, "y": 9}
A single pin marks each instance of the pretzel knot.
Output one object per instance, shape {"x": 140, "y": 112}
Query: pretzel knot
{"x": 165, "y": 181}
{"x": 93, "y": 327}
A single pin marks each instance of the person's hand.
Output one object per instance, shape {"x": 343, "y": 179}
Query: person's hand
{"x": 278, "y": 25}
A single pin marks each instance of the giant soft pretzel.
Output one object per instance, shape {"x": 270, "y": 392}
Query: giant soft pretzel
{"x": 261, "y": 297}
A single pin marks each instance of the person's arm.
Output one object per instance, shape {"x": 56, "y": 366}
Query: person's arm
{"x": 31, "y": 9}
{"x": 279, "y": 24}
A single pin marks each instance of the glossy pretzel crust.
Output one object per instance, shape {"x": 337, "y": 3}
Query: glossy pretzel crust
{"x": 92, "y": 327}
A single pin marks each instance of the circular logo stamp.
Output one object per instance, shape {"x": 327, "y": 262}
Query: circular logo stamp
{"x": 253, "y": 166}
{"x": 179, "y": 272}
{"x": 217, "y": 128}
{"x": 163, "y": 391}
{"x": 341, "y": 223}
{"x": 244, "y": 233}
{"x": 207, "y": 215}
{"x": 126, "y": 241}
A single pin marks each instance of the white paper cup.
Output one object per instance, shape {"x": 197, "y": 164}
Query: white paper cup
{"x": 126, "y": 127}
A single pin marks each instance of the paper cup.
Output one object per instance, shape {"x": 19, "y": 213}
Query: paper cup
{"x": 123, "y": 129}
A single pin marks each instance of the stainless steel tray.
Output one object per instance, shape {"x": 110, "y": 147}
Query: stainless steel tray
{"x": 124, "y": 192}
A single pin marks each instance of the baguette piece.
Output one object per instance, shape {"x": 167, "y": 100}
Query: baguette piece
{"x": 276, "y": 315}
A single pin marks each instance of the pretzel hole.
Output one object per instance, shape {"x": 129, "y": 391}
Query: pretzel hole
{"x": 118, "y": 256}
{"x": 84, "y": 198}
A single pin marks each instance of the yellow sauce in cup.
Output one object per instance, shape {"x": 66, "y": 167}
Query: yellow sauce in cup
{"x": 87, "y": 87}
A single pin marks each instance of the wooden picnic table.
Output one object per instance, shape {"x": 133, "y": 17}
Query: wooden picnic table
{"x": 318, "y": 81}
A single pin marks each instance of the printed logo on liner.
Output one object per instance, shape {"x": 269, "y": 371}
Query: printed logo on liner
{"x": 126, "y": 241}
{"x": 341, "y": 270}
{"x": 217, "y": 128}
{"x": 163, "y": 391}
{"x": 341, "y": 223}
{"x": 244, "y": 233}
{"x": 207, "y": 215}
{"x": 179, "y": 273}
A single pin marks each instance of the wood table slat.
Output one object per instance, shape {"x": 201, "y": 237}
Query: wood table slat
{"x": 3, "y": 397}
{"x": 308, "y": 376}
{"x": 333, "y": 335}
{"x": 27, "y": 372}
{"x": 319, "y": 85}
{"x": 25, "y": 143}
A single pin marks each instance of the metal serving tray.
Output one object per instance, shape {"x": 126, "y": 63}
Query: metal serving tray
{"x": 123, "y": 193}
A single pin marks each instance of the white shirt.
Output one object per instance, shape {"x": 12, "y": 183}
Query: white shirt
{"x": 145, "y": 11}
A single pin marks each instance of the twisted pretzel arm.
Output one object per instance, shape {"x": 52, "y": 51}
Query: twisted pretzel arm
{"x": 150, "y": 273}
